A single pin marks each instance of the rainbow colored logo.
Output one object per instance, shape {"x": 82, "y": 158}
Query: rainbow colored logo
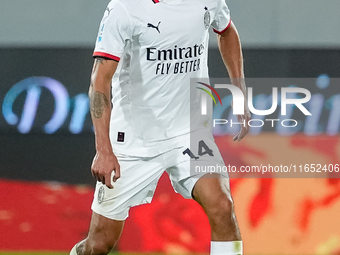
{"x": 212, "y": 89}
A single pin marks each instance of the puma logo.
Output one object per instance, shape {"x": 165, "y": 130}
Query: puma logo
{"x": 155, "y": 27}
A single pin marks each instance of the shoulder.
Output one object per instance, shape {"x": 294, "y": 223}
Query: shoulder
{"x": 218, "y": 6}
{"x": 117, "y": 11}
{"x": 213, "y": 3}
{"x": 116, "y": 4}
{"x": 128, "y": 5}
{"x": 213, "y": 6}
{"x": 217, "y": 3}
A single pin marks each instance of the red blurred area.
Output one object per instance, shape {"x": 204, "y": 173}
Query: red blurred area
{"x": 298, "y": 216}
{"x": 43, "y": 216}
{"x": 170, "y": 224}
{"x": 53, "y": 216}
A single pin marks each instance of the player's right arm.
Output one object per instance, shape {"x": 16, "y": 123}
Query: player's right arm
{"x": 104, "y": 162}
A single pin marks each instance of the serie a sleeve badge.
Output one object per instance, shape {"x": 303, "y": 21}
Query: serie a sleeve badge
{"x": 206, "y": 18}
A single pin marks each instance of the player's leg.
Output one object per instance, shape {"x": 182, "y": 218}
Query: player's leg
{"x": 189, "y": 178}
{"x": 103, "y": 236}
{"x": 213, "y": 194}
{"x": 139, "y": 177}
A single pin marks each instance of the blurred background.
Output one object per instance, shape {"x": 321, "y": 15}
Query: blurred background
{"x": 47, "y": 142}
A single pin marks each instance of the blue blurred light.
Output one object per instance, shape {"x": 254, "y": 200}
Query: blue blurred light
{"x": 323, "y": 81}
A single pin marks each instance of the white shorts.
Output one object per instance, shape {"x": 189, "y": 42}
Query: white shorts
{"x": 140, "y": 175}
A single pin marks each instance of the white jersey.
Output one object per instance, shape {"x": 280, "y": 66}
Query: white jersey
{"x": 160, "y": 46}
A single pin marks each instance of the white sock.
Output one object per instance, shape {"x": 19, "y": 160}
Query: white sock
{"x": 74, "y": 250}
{"x": 226, "y": 248}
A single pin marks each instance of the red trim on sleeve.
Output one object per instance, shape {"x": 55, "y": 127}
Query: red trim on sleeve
{"x": 105, "y": 55}
{"x": 218, "y": 32}
{"x": 155, "y": 1}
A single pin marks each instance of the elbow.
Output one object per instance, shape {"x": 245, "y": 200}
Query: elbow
{"x": 91, "y": 85}
{"x": 90, "y": 90}
{"x": 92, "y": 81}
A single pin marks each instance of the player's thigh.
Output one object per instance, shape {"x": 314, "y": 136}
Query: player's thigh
{"x": 104, "y": 231}
{"x": 201, "y": 160}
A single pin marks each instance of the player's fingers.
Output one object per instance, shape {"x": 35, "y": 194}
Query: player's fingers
{"x": 102, "y": 179}
{"x": 243, "y": 133}
{"x": 235, "y": 138}
{"x": 117, "y": 173}
{"x": 240, "y": 137}
{"x": 116, "y": 176}
{"x": 94, "y": 174}
{"x": 107, "y": 180}
{"x": 98, "y": 176}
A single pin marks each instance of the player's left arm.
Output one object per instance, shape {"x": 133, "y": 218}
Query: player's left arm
{"x": 230, "y": 48}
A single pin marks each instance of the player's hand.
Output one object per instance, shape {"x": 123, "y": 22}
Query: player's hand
{"x": 104, "y": 163}
{"x": 244, "y": 118}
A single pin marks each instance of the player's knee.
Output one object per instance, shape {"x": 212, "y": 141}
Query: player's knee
{"x": 221, "y": 212}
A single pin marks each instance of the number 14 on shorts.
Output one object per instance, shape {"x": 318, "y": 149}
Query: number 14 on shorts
{"x": 202, "y": 150}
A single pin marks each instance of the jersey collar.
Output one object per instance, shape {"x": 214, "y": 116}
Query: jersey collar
{"x": 167, "y": 1}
